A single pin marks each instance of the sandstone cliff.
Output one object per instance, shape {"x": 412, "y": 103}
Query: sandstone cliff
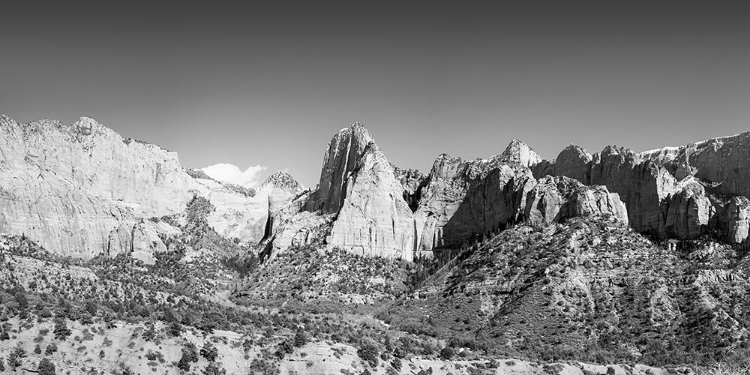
{"x": 681, "y": 192}
{"x": 554, "y": 199}
{"x": 463, "y": 199}
{"x": 82, "y": 189}
{"x": 359, "y": 186}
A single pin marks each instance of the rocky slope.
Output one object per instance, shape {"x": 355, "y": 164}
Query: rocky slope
{"x": 589, "y": 285}
{"x": 82, "y": 189}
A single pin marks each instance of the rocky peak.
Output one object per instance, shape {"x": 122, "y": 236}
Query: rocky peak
{"x": 574, "y": 162}
{"x": 360, "y": 186}
{"x": 520, "y": 153}
{"x": 282, "y": 180}
{"x": 343, "y": 154}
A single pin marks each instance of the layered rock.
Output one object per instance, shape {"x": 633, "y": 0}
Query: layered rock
{"x": 556, "y": 199}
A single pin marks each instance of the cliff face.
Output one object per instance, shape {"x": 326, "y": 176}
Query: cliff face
{"x": 680, "y": 192}
{"x": 463, "y": 199}
{"x": 378, "y": 209}
{"x": 67, "y": 187}
{"x": 555, "y": 199}
{"x": 82, "y": 189}
{"x": 360, "y": 188}
{"x": 343, "y": 155}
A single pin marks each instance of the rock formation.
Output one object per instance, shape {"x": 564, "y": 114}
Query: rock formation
{"x": 680, "y": 192}
{"x": 462, "y": 199}
{"x": 558, "y": 198}
{"x": 82, "y": 190}
{"x": 359, "y": 186}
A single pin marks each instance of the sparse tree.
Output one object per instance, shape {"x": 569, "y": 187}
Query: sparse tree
{"x": 175, "y": 329}
{"x": 447, "y": 353}
{"x": 46, "y": 367}
{"x": 209, "y": 352}
{"x": 51, "y": 349}
{"x": 300, "y": 339}
{"x": 214, "y": 369}
{"x": 368, "y": 351}
{"x": 61, "y": 330}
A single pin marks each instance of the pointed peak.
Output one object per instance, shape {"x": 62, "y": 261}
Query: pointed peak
{"x": 574, "y": 151}
{"x": 282, "y": 179}
{"x": 519, "y": 152}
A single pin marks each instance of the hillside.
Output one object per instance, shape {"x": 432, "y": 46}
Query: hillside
{"x": 588, "y": 289}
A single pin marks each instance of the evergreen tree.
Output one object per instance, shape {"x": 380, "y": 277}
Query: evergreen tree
{"x": 209, "y": 352}
{"x": 300, "y": 339}
{"x": 61, "y": 330}
{"x": 51, "y": 349}
{"x": 46, "y": 367}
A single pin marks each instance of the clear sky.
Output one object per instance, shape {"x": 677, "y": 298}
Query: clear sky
{"x": 269, "y": 85}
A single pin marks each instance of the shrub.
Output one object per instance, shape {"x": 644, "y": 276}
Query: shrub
{"x": 300, "y": 339}
{"x": 214, "y": 369}
{"x": 51, "y": 349}
{"x": 209, "y": 352}
{"x": 61, "y": 330}
{"x": 368, "y": 351}
{"x": 447, "y": 353}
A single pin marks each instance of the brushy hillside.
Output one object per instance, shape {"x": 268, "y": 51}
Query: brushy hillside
{"x": 319, "y": 277}
{"x": 588, "y": 289}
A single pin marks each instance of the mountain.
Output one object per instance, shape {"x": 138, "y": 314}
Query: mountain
{"x": 81, "y": 190}
{"x": 508, "y": 264}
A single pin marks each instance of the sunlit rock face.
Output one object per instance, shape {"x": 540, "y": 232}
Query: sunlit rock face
{"x": 360, "y": 187}
{"x": 81, "y": 190}
{"x": 677, "y": 192}
{"x": 68, "y": 186}
{"x": 467, "y": 198}
{"x": 556, "y": 199}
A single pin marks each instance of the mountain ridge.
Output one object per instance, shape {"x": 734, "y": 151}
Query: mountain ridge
{"x": 677, "y": 192}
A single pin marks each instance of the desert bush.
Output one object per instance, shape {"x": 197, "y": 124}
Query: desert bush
{"x": 368, "y": 351}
